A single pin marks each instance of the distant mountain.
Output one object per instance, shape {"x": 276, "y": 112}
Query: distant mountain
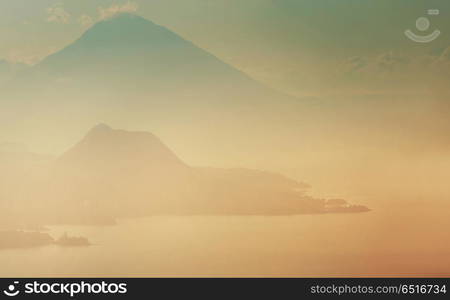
{"x": 128, "y": 68}
{"x": 115, "y": 173}
{"x": 106, "y": 149}
{"x": 127, "y": 43}
{"x": 139, "y": 55}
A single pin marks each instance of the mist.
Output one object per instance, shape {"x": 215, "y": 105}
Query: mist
{"x": 146, "y": 139}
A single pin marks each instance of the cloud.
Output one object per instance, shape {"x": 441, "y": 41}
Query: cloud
{"x": 445, "y": 56}
{"x": 391, "y": 61}
{"x": 57, "y": 14}
{"x": 23, "y": 58}
{"x": 353, "y": 64}
{"x": 86, "y": 20}
{"x": 105, "y": 13}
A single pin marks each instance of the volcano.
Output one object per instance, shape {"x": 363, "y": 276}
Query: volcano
{"x": 129, "y": 68}
{"x": 141, "y": 55}
{"x": 123, "y": 173}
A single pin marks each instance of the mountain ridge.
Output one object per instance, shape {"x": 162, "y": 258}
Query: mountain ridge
{"x": 166, "y": 185}
{"x": 142, "y": 45}
{"x": 114, "y": 173}
{"x": 104, "y": 142}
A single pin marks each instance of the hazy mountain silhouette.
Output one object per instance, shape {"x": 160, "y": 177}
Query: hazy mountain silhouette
{"x": 104, "y": 148}
{"x": 116, "y": 173}
{"x": 127, "y": 67}
{"x": 120, "y": 173}
{"x": 129, "y": 44}
{"x": 138, "y": 54}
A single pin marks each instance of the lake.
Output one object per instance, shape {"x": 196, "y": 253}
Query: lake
{"x": 378, "y": 243}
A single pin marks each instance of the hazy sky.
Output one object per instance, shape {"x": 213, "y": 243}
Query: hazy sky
{"x": 303, "y": 47}
{"x": 32, "y": 28}
{"x": 370, "y": 124}
{"x": 273, "y": 40}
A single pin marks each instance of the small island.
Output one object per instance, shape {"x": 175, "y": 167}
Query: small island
{"x": 74, "y": 241}
{"x": 19, "y": 239}
{"x": 342, "y": 206}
